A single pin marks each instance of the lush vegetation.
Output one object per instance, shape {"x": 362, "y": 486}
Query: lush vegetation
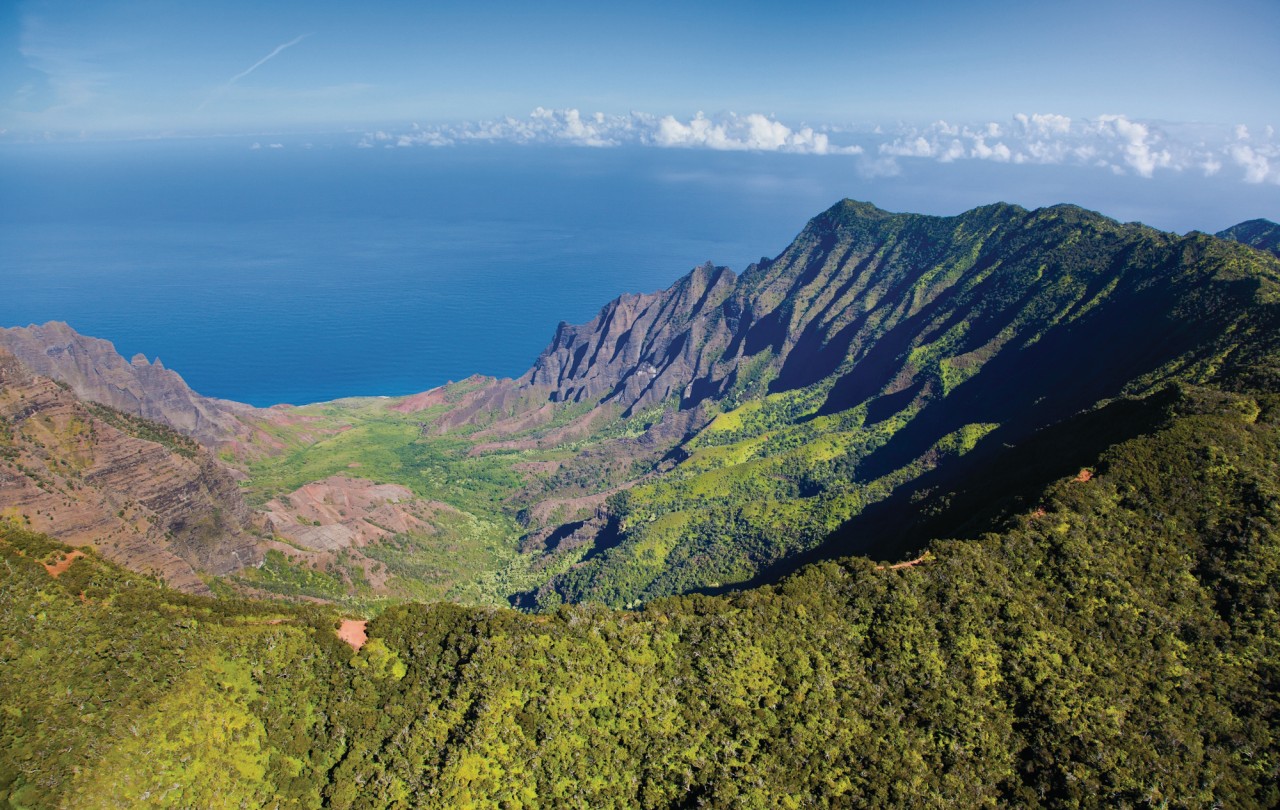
{"x": 471, "y": 555}
{"x": 140, "y": 428}
{"x": 899, "y": 344}
{"x": 1108, "y": 642}
{"x": 873, "y": 358}
{"x": 1078, "y": 420}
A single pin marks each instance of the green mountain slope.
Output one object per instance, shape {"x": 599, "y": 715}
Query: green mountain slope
{"x": 1109, "y": 642}
{"x": 839, "y": 399}
{"x": 1262, "y": 234}
{"x": 880, "y": 349}
{"x": 1076, "y": 421}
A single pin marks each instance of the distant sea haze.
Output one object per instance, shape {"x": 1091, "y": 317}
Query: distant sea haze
{"x": 291, "y": 275}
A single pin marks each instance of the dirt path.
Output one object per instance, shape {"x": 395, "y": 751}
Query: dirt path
{"x": 352, "y": 632}
{"x": 925, "y": 557}
{"x": 57, "y": 568}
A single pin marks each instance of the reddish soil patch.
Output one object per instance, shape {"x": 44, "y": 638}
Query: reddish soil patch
{"x": 420, "y": 402}
{"x": 1084, "y": 475}
{"x": 352, "y": 632}
{"x": 925, "y": 557}
{"x": 62, "y": 565}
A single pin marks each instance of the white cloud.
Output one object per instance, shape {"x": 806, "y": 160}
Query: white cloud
{"x": 1044, "y": 124}
{"x": 999, "y": 153}
{"x": 731, "y": 132}
{"x": 1114, "y": 143}
{"x": 1256, "y": 165}
{"x": 1138, "y": 142}
{"x": 913, "y": 147}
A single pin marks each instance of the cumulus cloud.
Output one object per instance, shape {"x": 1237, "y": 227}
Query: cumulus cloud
{"x": 753, "y": 132}
{"x": 1139, "y": 145}
{"x": 1113, "y": 142}
{"x": 1256, "y": 164}
{"x": 730, "y": 132}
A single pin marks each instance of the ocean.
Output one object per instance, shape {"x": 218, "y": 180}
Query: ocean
{"x": 311, "y": 272}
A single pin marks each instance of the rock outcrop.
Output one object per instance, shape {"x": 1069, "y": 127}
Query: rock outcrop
{"x": 97, "y": 373}
{"x": 640, "y": 350}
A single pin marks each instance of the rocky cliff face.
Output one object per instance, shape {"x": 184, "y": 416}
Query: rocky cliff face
{"x": 96, "y": 373}
{"x": 78, "y": 473}
{"x": 641, "y": 350}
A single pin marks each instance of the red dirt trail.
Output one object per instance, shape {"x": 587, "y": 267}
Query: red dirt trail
{"x": 62, "y": 565}
{"x": 352, "y": 632}
{"x": 925, "y": 557}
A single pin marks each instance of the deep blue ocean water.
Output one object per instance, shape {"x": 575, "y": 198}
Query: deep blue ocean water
{"x": 300, "y": 275}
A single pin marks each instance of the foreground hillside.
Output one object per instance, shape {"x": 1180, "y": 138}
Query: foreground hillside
{"x": 1112, "y": 640}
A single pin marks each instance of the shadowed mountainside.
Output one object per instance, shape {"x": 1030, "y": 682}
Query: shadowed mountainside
{"x": 877, "y": 348}
{"x": 1262, "y": 234}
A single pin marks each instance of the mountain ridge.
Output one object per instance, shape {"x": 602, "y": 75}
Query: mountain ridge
{"x": 894, "y": 313}
{"x": 1262, "y": 234}
{"x": 726, "y": 426}
{"x": 96, "y": 372}
{"x": 97, "y": 477}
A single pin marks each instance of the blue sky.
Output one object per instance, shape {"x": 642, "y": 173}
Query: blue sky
{"x": 1132, "y": 87}
{"x": 159, "y": 66}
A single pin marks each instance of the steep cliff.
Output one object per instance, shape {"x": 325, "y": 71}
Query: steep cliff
{"x": 97, "y": 373}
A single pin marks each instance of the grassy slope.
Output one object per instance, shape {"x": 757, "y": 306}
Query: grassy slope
{"x": 1110, "y": 642}
{"x": 472, "y": 558}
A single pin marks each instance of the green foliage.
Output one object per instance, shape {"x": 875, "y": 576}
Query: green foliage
{"x": 918, "y": 341}
{"x": 1103, "y": 640}
{"x": 1109, "y": 642}
{"x": 279, "y": 574}
{"x": 146, "y": 429}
